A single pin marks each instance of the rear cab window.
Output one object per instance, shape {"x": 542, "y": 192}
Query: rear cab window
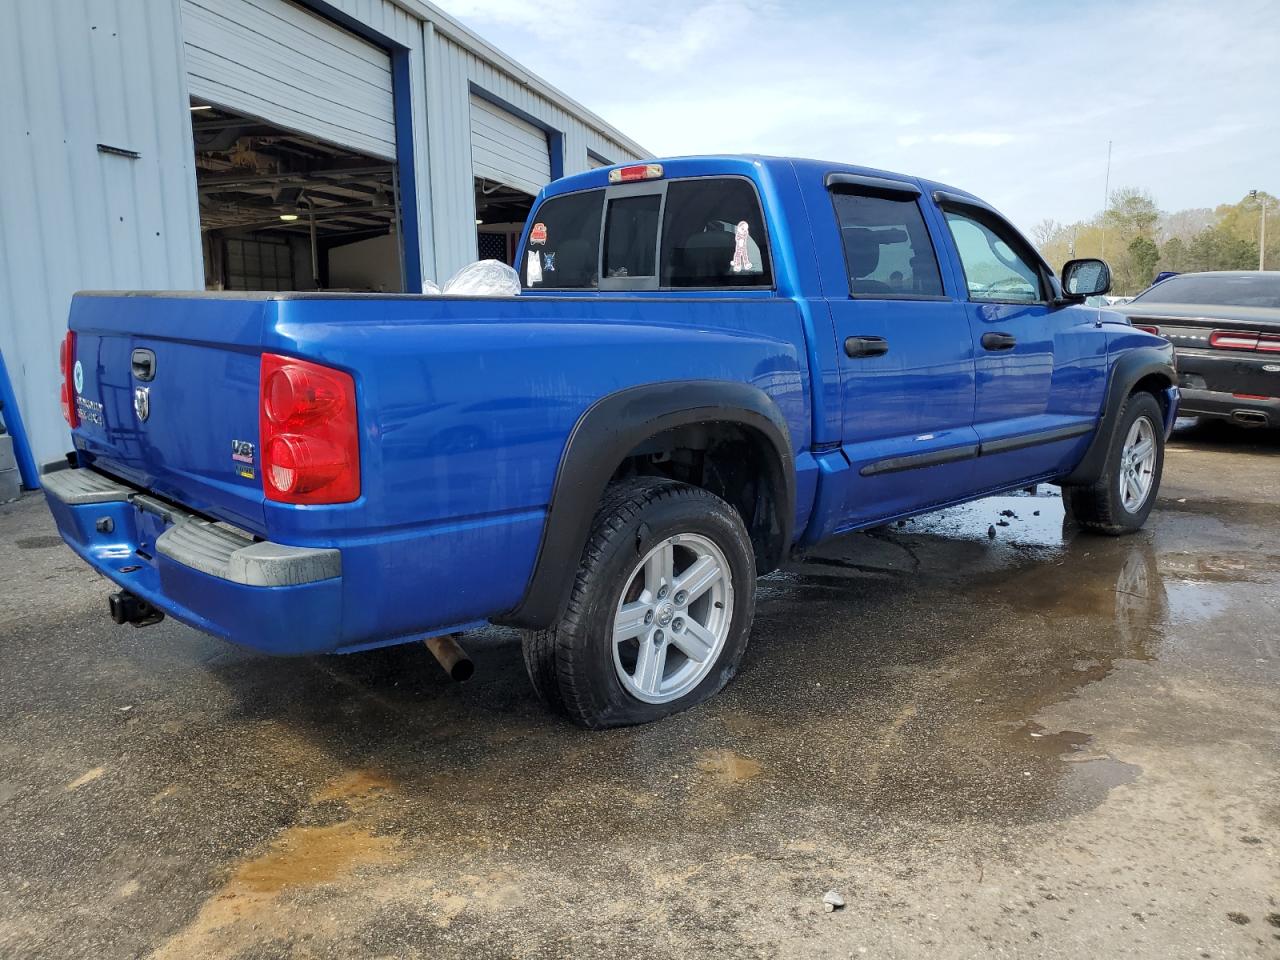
{"x": 695, "y": 233}
{"x": 562, "y": 248}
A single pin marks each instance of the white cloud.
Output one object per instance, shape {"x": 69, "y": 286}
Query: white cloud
{"x": 1010, "y": 99}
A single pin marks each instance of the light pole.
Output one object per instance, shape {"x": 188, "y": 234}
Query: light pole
{"x": 1262, "y": 231}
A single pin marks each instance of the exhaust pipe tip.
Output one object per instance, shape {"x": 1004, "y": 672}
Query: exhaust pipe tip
{"x": 1250, "y": 418}
{"x": 126, "y": 607}
{"x": 450, "y": 655}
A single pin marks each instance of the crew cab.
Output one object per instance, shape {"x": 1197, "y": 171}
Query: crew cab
{"x": 1225, "y": 330}
{"x": 714, "y": 363}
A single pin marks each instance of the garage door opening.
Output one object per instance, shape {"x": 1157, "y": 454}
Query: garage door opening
{"x": 281, "y": 210}
{"x": 500, "y": 215}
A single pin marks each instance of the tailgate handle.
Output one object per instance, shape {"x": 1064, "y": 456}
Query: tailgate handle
{"x": 143, "y": 363}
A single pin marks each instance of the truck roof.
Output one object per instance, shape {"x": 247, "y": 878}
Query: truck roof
{"x": 744, "y": 164}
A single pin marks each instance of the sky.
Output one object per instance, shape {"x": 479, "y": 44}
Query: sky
{"x": 1014, "y": 100}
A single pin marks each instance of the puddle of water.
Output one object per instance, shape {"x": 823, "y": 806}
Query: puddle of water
{"x": 1019, "y": 519}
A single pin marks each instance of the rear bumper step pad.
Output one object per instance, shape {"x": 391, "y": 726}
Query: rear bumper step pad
{"x": 201, "y": 544}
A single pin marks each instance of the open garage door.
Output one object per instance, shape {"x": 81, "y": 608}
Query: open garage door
{"x": 507, "y": 150}
{"x": 274, "y": 60}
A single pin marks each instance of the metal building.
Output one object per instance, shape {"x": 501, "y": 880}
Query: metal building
{"x": 256, "y": 144}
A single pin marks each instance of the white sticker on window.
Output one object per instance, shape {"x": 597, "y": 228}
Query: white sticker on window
{"x": 535, "y": 268}
{"x": 741, "y": 259}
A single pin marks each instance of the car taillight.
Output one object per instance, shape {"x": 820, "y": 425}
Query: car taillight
{"x": 67, "y": 363}
{"x": 1269, "y": 344}
{"x": 1147, "y": 328}
{"x": 308, "y": 433}
{"x": 1230, "y": 340}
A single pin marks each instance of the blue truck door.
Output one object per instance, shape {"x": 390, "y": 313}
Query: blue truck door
{"x": 1041, "y": 366}
{"x": 905, "y": 355}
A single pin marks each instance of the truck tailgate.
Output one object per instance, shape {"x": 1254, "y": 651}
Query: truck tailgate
{"x": 166, "y": 389}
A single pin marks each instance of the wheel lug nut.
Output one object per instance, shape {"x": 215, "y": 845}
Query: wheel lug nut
{"x": 681, "y": 597}
{"x": 678, "y": 624}
{"x": 662, "y": 593}
{"x": 659, "y": 636}
{"x": 648, "y": 617}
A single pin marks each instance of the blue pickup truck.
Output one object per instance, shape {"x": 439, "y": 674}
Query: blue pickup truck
{"x": 715, "y": 362}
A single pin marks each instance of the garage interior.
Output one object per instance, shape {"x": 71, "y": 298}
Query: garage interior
{"x": 281, "y": 210}
{"x": 501, "y": 212}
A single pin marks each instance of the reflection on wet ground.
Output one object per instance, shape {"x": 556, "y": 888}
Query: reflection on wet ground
{"x": 991, "y": 732}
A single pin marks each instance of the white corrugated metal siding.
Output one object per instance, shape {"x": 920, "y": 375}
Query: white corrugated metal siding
{"x": 73, "y": 75}
{"x": 76, "y": 73}
{"x": 508, "y": 149}
{"x": 273, "y": 60}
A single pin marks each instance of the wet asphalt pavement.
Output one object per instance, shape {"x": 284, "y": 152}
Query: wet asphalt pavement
{"x": 1033, "y": 744}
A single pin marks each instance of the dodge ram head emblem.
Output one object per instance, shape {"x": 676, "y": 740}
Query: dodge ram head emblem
{"x": 142, "y": 402}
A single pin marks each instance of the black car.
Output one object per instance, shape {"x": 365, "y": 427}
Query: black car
{"x": 1225, "y": 329}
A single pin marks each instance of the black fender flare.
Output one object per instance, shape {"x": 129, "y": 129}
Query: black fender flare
{"x": 603, "y": 436}
{"x": 1130, "y": 367}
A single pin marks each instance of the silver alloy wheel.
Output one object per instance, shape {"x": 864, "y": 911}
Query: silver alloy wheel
{"x": 673, "y": 618}
{"x": 1138, "y": 464}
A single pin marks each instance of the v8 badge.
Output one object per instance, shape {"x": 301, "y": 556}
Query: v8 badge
{"x": 142, "y": 402}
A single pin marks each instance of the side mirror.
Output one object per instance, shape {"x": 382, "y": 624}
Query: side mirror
{"x": 1086, "y": 278}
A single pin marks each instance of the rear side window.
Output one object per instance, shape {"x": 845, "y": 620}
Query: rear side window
{"x": 630, "y": 235}
{"x": 564, "y": 242}
{"x": 713, "y": 235}
{"x": 886, "y": 246}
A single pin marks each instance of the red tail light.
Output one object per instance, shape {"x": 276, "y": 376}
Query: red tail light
{"x": 1230, "y": 340}
{"x": 308, "y": 433}
{"x": 67, "y": 363}
{"x": 1147, "y": 328}
{"x": 1269, "y": 344}
{"x": 640, "y": 171}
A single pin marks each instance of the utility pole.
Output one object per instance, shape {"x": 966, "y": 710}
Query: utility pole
{"x": 1262, "y": 230}
{"x": 1106, "y": 200}
{"x": 1262, "y": 238}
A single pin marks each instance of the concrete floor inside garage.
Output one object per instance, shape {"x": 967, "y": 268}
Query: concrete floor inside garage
{"x": 1035, "y": 743}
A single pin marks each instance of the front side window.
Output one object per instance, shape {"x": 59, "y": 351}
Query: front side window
{"x": 564, "y": 243}
{"x": 994, "y": 270}
{"x": 713, "y": 235}
{"x": 886, "y": 246}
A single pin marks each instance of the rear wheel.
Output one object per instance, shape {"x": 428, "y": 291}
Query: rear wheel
{"x": 660, "y": 610}
{"x": 1126, "y": 491}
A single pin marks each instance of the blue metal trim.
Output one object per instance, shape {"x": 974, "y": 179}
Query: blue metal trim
{"x": 410, "y": 240}
{"x": 12, "y": 418}
{"x": 555, "y": 143}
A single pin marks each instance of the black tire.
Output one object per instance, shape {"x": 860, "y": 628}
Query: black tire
{"x": 571, "y": 665}
{"x": 1100, "y": 507}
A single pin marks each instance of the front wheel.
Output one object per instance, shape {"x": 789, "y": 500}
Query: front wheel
{"x": 1125, "y": 493}
{"x": 660, "y": 610}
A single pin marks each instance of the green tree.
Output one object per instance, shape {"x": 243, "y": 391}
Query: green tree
{"x": 1218, "y": 249}
{"x": 1141, "y": 264}
{"x": 1174, "y": 255}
